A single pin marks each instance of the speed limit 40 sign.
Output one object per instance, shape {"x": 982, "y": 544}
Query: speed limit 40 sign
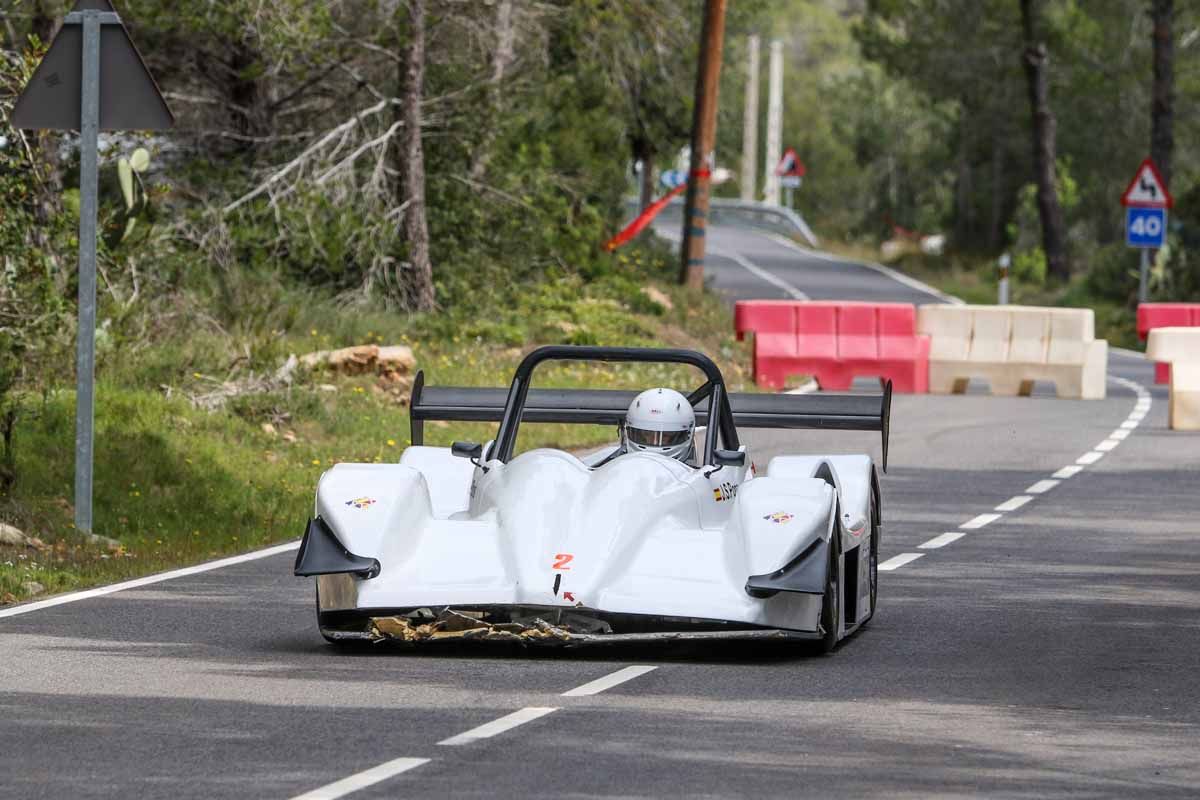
{"x": 1145, "y": 227}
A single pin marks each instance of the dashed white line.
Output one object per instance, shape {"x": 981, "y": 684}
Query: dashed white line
{"x": 1129, "y": 424}
{"x": 895, "y": 562}
{"x": 1013, "y": 503}
{"x": 1119, "y": 434}
{"x": 941, "y": 541}
{"x": 1067, "y": 472}
{"x": 149, "y": 580}
{"x": 499, "y": 726}
{"x": 363, "y": 779}
{"x": 760, "y": 273}
{"x": 1089, "y": 458}
{"x": 978, "y": 522}
{"x": 1041, "y": 487}
{"x": 1107, "y": 445}
{"x": 608, "y": 681}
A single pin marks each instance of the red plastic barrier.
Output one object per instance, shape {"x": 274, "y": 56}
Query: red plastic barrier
{"x": 1166, "y": 315}
{"x": 835, "y": 342}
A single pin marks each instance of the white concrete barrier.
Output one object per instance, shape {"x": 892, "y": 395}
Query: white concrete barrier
{"x": 1180, "y": 347}
{"x": 1012, "y": 347}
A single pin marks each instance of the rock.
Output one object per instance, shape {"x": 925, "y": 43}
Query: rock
{"x": 12, "y": 536}
{"x": 313, "y": 360}
{"x": 33, "y": 588}
{"x": 104, "y": 541}
{"x": 354, "y": 360}
{"x": 326, "y": 387}
{"x": 268, "y": 429}
{"x": 285, "y": 373}
{"x": 397, "y": 358}
{"x": 658, "y": 296}
{"x": 288, "y": 436}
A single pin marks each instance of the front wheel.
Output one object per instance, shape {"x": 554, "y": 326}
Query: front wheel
{"x": 831, "y": 602}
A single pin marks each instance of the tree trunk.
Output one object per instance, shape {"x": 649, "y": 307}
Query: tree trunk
{"x": 1162, "y": 109}
{"x": 247, "y": 113}
{"x": 419, "y": 275}
{"x": 41, "y": 25}
{"x": 644, "y": 152}
{"x": 996, "y": 225}
{"x": 502, "y": 58}
{"x": 1054, "y": 239}
{"x": 964, "y": 209}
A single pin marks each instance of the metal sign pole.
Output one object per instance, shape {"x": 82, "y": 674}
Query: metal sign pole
{"x": 1144, "y": 276}
{"x": 85, "y": 361}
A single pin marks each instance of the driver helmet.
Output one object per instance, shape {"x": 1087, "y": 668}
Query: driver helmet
{"x": 660, "y": 421}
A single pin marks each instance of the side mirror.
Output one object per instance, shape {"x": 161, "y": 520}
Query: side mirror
{"x": 726, "y": 458}
{"x": 469, "y": 450}
{"x": 729, "y": 458}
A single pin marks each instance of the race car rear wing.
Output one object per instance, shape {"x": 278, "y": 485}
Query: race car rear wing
{"x": 848, "y": 412}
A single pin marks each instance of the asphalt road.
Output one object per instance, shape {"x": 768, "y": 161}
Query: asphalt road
{"x": 1051, "y": 651}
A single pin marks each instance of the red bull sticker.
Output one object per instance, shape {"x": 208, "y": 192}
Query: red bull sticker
{"x": 780, "y": 517}
{"x": 361, "y": 502}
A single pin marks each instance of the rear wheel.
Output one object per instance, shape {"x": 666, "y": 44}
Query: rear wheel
{"x": 873, "y": 565}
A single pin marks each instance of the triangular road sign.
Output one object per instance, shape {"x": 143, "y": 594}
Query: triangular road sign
{"x": 1148, "y": 189}
{"x": 790, "y": 164}
{"x": 129, "y": 98}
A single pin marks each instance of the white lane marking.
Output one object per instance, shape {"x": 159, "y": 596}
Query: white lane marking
{"x": 895, "y": 562}
{"x": 745, "y": 264}
{"x": 1131, "y": 354}
{"x": 608, "y": 681}
{"x": 980, "y": 521}
{"x": 499, "y": 726}
{"x": 1041, "y": 487}
{"x": 1137, "y": 416}
{"x": 1067, "y": 472}
{"x": 941, "y": 541}
{"x": 1089, "y": 458}
{"x": 899, "y": 277}
{"x": 363, "y": 779}
{"x": 759, "y": 272}
{"x": 1129, "y": 424}
{"x": 87, "y": 594}
{"x": 1107, "y": 445}
{"x": 1013, "y": 503}
{"x": 1119, "y": 434}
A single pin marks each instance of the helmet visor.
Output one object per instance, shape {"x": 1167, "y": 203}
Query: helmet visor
{"x": 647, "y": 438}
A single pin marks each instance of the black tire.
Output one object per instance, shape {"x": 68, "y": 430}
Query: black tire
{"x": 831, "y": 605}
{"x": 873, "y": 571}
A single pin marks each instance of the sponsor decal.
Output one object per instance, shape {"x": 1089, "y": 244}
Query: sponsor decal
{"x": 361, "y": 502}
{"x": 726, "y": 491}
{"x": 780, "y": 517}
{"x": 569, "y": 597}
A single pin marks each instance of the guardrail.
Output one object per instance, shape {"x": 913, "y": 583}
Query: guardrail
{"x": 726, "y": 211}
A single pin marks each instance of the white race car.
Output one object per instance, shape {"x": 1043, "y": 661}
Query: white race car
{"x": 474, "y": 541}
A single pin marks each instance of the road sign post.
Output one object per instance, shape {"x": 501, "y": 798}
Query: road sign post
{"x": 114, "y": 92}
{"x": 1146, "y": 201}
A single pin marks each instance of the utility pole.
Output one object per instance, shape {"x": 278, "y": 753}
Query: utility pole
{"x": 774, "y": 123}
{"x": 750, "y": 125}
{"x": 704, "y": 129}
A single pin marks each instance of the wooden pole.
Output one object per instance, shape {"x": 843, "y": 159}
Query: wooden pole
{"x": 704, "y": 128}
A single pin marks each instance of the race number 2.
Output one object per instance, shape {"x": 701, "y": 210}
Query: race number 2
{"x": 561, "y": 560}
